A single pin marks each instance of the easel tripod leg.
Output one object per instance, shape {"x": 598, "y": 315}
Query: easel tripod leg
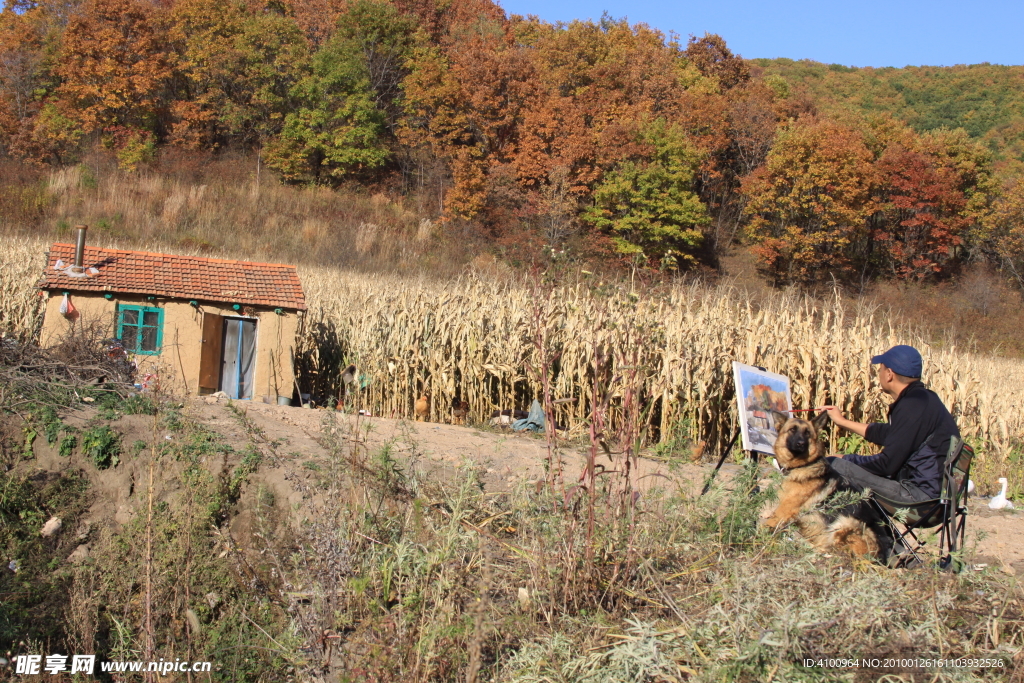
{"x": 721, "y": 460}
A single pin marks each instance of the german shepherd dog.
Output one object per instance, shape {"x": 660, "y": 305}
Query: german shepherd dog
{"x": 808, "y": 482}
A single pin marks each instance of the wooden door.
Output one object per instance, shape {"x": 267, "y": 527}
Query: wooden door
{"x": 210, "y": 359}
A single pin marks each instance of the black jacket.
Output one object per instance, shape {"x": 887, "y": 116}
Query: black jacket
{"x": 915, "y": 416}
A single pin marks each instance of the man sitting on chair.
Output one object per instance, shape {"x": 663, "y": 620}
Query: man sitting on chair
{"x": 914, "y": 443}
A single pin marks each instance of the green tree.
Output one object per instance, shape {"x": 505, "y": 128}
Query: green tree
{"x": 350, "y": 100}
{"x": 387, "y": 41}
{"x": 237, "y": 70}
{"x": 648, "y": 206}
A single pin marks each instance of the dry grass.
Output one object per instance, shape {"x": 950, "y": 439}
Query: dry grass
{"x": 980, "y": 310}
{"x": 187, "y": 204}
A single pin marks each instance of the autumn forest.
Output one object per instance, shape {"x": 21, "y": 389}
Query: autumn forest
{"x": 610, "y": 141}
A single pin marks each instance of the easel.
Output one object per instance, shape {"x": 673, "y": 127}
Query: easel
{"x": 728, "y": 449}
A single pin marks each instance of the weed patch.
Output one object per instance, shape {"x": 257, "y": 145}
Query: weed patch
{"x": 33, "y": 579}
{"x": 113, "y": 405}
{"x": 102, "y": 445}
{"x": 67, "y": 445}
{"x": 205, "y": 597}
{"x": 389, "y": 574}
{"x": 250, "y": 463}
{"x": 432, "y": 580}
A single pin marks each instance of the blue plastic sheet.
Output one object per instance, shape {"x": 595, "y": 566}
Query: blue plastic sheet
{"x": 534, "y": 421}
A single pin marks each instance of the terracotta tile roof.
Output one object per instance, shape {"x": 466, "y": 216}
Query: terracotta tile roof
{"x": 178, "y": 277}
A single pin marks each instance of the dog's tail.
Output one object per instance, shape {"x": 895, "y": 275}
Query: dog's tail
{"x": 854, "y": 536}
{"x": 814, "y": 527}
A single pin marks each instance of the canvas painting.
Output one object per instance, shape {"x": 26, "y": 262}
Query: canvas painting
{"x": 758, "y": 392}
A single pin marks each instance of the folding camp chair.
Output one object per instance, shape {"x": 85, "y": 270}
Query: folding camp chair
{"x": 949, "y": 511}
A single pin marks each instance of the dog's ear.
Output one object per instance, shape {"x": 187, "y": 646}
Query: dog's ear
{"x": 780, "y": 420}
{"x": 821, "y": 421}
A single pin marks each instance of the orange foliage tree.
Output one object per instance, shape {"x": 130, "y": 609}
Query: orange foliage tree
{"x": 30, "y": 125}
{"x": 20, "y": 59}
{"x": 867, "y": 198}
{"x": 1007, "y": 229}
{"x": 809, "y": 202}
{"x": 924, "y": 207}
{"x": 735, "y": 130}
{"x": 465, "y": 103}
{"x": 116, "y": 70}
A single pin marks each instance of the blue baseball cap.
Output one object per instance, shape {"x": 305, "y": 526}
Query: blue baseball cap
{"x": 903, "y": 360}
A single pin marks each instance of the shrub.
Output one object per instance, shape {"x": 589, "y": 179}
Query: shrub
{"x": 34, "y": 594}
{"x": 102, "y": 445}
{"x": 67, "y": 445}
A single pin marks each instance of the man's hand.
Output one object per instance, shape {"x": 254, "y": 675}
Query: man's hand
{"x": 834, "y": 414}
{"x": 837, "y": 417}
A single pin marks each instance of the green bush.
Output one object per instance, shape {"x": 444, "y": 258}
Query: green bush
{"x": 102, "y": 445}
{"x": 67, "y": 445}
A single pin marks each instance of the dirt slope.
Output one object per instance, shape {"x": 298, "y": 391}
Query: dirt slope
{"x": 291, "y": 438}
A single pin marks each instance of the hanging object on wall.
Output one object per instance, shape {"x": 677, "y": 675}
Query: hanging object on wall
{"x": 67, "y": 309}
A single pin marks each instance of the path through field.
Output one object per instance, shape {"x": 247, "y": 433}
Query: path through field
{"x": 505, "y": 460}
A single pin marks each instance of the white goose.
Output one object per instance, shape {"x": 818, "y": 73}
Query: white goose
{"x": 999, "y": 501}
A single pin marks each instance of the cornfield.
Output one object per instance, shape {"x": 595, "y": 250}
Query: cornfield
{"x": 491, "y": 344}
{"x": 488, "y": 343}
{"x": 21, "y": 268}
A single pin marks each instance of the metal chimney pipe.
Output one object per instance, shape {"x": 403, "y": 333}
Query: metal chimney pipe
{"x": 80, "y": 247}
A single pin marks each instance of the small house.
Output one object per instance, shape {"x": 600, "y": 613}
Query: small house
{"x": 194, "y": 325}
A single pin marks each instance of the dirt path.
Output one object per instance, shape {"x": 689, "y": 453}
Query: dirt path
{"x": 506, "y": 459}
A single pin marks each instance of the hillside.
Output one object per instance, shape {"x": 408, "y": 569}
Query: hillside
{"x": 986, "y": 100}
{"x": 602, "y": 142}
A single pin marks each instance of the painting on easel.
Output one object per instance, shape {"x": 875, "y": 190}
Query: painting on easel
{"x": 758, "y": 392}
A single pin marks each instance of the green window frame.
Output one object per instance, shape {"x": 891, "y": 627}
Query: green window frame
{"x": 140, "y": 329}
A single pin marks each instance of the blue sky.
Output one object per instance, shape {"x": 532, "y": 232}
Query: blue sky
{"x": 858, "y": 33}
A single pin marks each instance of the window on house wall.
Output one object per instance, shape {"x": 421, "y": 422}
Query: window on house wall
{"x": 140, "y": 328}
